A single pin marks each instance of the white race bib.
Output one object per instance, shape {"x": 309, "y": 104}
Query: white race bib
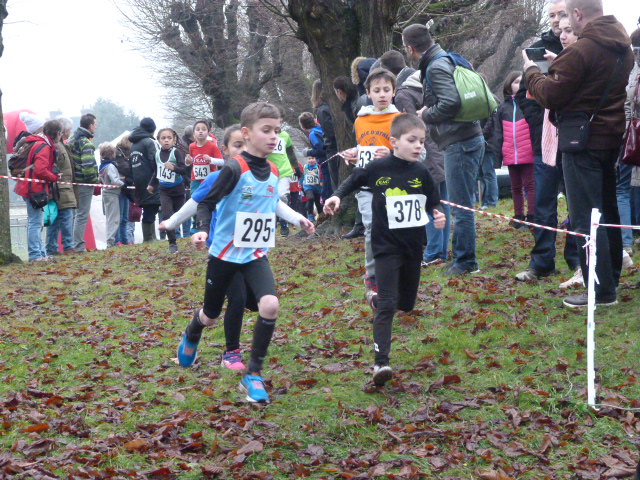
{"x": 200, "y": 172}
{"x": 311, "y": 179}
{"x": 365, "y": 155}
{"x": 404, "y": 211}
{"x": 255, "y": 230}
{"x": 164, "y": 174}
{"x": 281, "y": 146}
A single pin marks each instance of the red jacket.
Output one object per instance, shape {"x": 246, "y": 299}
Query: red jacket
{"x": 42, "y": 166}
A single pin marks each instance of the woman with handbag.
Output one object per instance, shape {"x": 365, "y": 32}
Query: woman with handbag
{"x": 629, "y": 162}
{"x": 40, "y": 166}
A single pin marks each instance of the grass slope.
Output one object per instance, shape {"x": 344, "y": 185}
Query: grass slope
{"x": 490, "y": 374}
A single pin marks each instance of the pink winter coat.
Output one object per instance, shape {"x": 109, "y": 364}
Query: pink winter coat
{"x": 513, "y": 133}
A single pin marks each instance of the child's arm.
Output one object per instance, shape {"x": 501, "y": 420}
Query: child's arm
{"x": 293, "y": 160}
{"x": 219, "y": 162}
{"x": 181, "y": 167}
{"x": 187, "y": 211}
{"x": 114, "y": 176}
{"x": 358, "y": 178}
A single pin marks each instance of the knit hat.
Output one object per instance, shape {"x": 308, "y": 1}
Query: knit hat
{"x": 32, "y": 121}
{"x": 148, "y": 125}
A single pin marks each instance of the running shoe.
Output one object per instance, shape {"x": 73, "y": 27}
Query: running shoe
{"x": 184, "y": 359}
{"x": 232, "y": 360}
{"x": 382, "y": 374}
{"x": 577, "y": 279}
{"x": 253, "y": 386}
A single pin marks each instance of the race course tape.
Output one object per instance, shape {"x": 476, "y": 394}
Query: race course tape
{"x": 35, "y": 180}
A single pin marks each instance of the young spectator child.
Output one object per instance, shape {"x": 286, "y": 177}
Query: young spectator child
{"x": 311, "y": 186}
{"x": 373, "y": 131}
{"x": 284, "y": 158}
{"x": 513, "y": 147}
{"x": 245, "y": 199}
{"x": 403, "y": 192}
{"x": 109, "y": 175}
{"x": 170, "y": 167}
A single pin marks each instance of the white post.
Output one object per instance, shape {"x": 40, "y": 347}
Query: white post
{"x": 591, "y": 307}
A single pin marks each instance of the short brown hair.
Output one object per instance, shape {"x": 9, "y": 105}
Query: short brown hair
{"x": 257, "y": 111}
{"x": 393, "y": 61}
{"x": 307, "y": 120}
{"x": 204, "y": 122}
{"x": 346, "y": 85}
{"x": 87, "y": 120}
{"x": 377, "y": 73}
{"x": 52, "y": 128}
{"x": 417, "y": 36}
{"x": 404, "y": 123}
{"x": 506, "y": 87}
{"x": 107, "y": 150}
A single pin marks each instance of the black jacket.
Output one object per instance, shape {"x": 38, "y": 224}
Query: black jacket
{"x": 549, "y": 41}
{"x": 323, "y": 114}
{"x": 443, "y": 100}
{"x": 143, "y": 165}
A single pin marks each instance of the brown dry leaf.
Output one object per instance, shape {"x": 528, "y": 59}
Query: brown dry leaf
{"x": 36, "y": 428}
{"x": 493, "y": 475}
{"x": 254, "y": 446}
{"x": 137, "y": 444}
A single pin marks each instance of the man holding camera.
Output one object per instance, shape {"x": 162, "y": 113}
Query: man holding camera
{"x": 586, "y": 89}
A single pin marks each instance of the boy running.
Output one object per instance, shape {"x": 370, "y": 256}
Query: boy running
{"x": 373, "y": 129}
{"x": 245, "y": 196}
{"x": 403, "y": 191}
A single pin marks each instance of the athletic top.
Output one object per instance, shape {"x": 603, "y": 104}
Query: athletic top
{"x": 279, "y": 156}
{"x": 242, "y": 187}
{"x": 201, "y": 167}
{"x": 391, "y": 177}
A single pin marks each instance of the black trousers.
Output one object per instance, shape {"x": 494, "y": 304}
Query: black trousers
{"x": 590, "y": 180}
{"x": 172, "y": 200}
{"x": 398, "y": 277}
{"x": 239, "y": 297}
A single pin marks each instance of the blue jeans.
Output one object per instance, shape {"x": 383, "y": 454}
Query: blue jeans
{"x": 461, "y": 166}
{"x": 543, "y": 254}
{"x": 121, "y": 236}
{"x": 438, "y": 240}
{"x": 489, "y": 181}
{"x": 35, "y": 224}
{"x": 623, "y": 193}
{"x": 64, "y": 224}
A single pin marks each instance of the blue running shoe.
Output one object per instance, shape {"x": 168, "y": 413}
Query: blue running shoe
{"x": 253, "y": 386}
{"x": 183, "y": 359}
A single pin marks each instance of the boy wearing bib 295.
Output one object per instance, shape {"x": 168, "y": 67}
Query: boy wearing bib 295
{"x": 403, "y": 192}
{"x": 245, "y": 197}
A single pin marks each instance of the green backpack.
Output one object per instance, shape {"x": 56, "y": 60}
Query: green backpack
{"x": 476, "y": 100}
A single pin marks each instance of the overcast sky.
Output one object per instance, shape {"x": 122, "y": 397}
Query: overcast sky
{"x": 64, "y": 54}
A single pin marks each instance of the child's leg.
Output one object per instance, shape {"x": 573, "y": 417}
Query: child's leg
{"x": 260, "y": 281}
{"x": 364, "y": 206}
{"x": 316, "y": 201}
{"x": 529, "y": 182}
{"x": 166, "y": 203}
{"x": 219, "y": 276}
{"x": 309, "y": 204}
{"x": 409, "y": 280}
{"x": 236, "y": 301}
{"x": 388, "y": 269}
{"x": 516, "y": 189}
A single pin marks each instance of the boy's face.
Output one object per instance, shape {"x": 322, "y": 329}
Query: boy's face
{"x": 311, "y": 161}
{"x": 409, "y": 146}
{"x": 381, "y": 93}
{"x": 166, "y": 139}
{"x": 262, "y": 136}
{"x": 200, "y": 131}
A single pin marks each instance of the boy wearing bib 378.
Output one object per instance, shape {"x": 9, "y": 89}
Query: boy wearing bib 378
{"x": 246, "y": 196}
{"x": 403, "y": 192}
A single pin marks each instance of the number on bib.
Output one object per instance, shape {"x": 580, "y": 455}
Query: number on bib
{"x": 255, "y": 230}
{"x": 365, "y": 155}
{"x": 405, "y": 211}
{"x": 281, "y": 146}
{"x": 311, "y": 179}
{"x": 165, "y": 175}
{"x": 200, "y": 172}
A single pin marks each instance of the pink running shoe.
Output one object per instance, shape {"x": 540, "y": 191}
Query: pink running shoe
{"x": 233, "y": 360}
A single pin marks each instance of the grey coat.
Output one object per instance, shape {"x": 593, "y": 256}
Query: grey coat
{"x": 443, "y": 101}
{"x": 632, "y": 108}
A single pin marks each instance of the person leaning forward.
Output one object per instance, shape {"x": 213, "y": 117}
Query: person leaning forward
{"x": 577, "y": 79}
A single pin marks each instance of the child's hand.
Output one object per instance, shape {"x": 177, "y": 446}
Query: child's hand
{"x": 162, "y": 226}
{"x": 199, "y": 240}
{"x": 307, "y": 226}
{"x": 188, "y": 160}
{"x": 350, "y": 156}
{"x": 382, "y": 152}
{"x": 150, "y": 189}
{"x": 331, "y": 205}
{"x": 169, "y": 166}
{"x": 439, "y": 219}
{"x": 206, "y": 157}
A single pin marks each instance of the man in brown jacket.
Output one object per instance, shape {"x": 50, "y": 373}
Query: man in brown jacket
{"x": 577, "y": 79}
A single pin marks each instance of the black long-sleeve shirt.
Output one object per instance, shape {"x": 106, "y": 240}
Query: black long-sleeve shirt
{"x": 226, "y": 182}
{"x": 391, "y": 176}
